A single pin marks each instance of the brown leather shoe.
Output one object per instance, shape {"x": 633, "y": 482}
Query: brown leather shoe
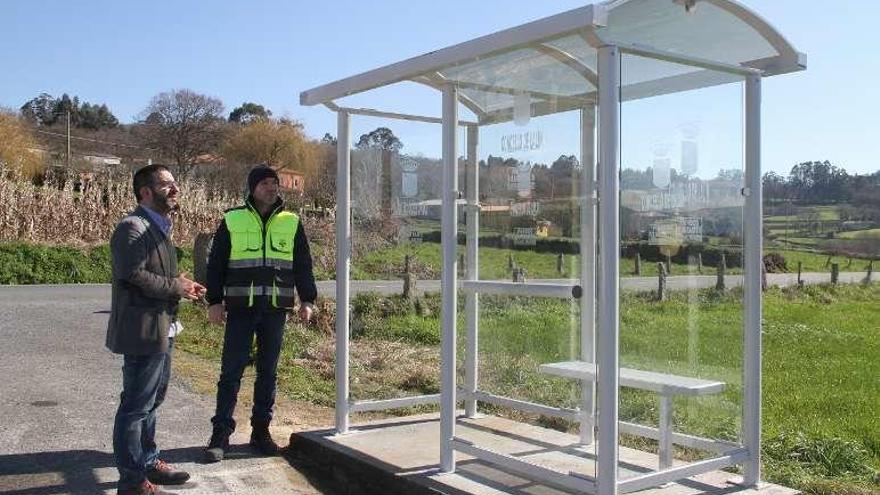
{"x": 145, "y": 488}
{"x": 163, "y": 473}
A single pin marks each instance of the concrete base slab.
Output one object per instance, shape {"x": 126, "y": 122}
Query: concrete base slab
{"x": 401, "y": 456}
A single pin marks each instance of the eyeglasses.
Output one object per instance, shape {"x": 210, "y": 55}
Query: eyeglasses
{"x": 168, "y": 184}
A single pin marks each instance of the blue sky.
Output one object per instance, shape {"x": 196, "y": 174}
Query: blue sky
{"x": 123, "y": 53}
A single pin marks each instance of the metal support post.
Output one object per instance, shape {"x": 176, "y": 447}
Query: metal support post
{"x": 588, "y": 268}
{"x": 752, "y": 281}
{"x": 472, "y": 300}
{"x": 343, "y": 263}
{"x": 665, "y": 427}
{"x": 608, "y": 285}
{"x": 449, "y": 231}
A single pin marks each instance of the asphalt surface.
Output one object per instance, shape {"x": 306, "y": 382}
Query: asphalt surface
{"x": 328, "y": 288}
{"x": 60, "y": 390}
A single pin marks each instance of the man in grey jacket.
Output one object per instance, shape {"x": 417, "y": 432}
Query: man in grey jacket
{"x": 143, "y": 322}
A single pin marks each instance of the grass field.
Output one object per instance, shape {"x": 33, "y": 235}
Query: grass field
{"x": 861, "y": 234}
{"x": 820, "y": 387}
{"x": 494, "y": 263}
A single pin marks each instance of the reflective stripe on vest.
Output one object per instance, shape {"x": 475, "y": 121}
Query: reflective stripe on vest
{"x": 260, "y": 263}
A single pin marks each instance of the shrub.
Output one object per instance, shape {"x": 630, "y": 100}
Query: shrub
{"x": 775, "y": 263}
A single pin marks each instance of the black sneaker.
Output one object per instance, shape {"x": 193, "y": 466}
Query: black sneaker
{"x": 217, "y": 446}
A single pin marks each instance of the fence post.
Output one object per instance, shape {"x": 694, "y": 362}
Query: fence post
{"x": 668, "y": 263}
{"x": 201, "y": 248}
{"x": 409, "y": 279}
{"x": 638, "y": 270}
{"x": 835, "y": 272}
{"x": 462, "y": 265}
{"x": 763, "y": 277}
{"x": 700, "y": 262}
{"x": 560, "y": 263}
{"x": 519, "y": 275}
{"x": 800, "y": 273}
{"x": 720, "y": 285}
{"x": 661, "y": 282}
{"x": 510, "y": 262}
{"x": 870, "y": 271}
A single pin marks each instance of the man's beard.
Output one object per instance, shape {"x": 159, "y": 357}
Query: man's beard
{"x": 162, "y": 205}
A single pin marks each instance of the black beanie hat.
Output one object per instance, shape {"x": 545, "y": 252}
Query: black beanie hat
{"x": 259, "y": 173}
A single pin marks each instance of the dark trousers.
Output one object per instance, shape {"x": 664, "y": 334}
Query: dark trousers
{"x": 241, "y": 326}
{"x": 144, "y": 384}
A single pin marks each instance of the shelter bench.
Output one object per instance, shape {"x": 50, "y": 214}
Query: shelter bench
{"x": 665, "y": 385}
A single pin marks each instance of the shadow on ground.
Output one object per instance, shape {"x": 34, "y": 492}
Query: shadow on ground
{"x": 81, "y": 472}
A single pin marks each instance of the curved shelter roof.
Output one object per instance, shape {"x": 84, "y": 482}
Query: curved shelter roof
{"x": 550, "y": 63}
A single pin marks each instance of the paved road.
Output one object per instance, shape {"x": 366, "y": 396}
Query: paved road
{"x": 59, "y": 393}
{"x": 328, "y": 288}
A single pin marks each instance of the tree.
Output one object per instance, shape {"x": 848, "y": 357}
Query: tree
{"x": 65, "y": 106}
{"x": 278, "y": 144}
{"x": 17, "y": 146}
{"x": 40, "y": 110}
{"x": 329, "y": 139}
{"x": 45, "y": 110}
{"x": 775, "y": 188}
{"x": 820, "y": 182}
{"x": 731, "y": 174}
{"x": 96, "y": 117}
{"x": 248, "y": 113}
{"x": 183, "y": 125}
{"x": 381, "y": 138}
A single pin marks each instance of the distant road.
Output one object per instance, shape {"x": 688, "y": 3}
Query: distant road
{"x": 327, "y": 288}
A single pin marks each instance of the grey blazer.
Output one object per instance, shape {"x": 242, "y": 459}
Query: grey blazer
{"x": 145, "y": 290}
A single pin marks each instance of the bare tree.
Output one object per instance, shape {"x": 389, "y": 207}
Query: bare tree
{"x": 184, "y": 126}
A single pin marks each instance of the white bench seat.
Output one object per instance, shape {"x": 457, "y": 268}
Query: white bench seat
{"x": 665, "y": 385}
{"x": 660, "y": 383}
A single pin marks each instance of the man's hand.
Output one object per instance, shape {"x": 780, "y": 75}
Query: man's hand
{"x": 217, "y": 314}
{"x": 191, "y": 290}
{"x": 305, "y": 312}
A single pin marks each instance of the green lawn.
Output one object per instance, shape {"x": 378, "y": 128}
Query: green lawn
{"x": 861, "y": 234}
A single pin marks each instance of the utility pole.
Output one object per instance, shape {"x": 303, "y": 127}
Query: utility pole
{"x": 68, "y": 140}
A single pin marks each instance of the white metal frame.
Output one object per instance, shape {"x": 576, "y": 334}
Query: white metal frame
{"x": 598, "y": 288}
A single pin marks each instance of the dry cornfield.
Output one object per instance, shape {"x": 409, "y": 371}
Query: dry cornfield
{"x": 57, "y": 214}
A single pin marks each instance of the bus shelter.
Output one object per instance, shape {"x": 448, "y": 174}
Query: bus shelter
{"x": 654, "y": 109}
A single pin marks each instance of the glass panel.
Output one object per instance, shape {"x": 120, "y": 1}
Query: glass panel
{"x": 395, "y": 196}
{"x": 528, "y": 192}
{"x": 545, "y": 74}
{"x": 706, "y": 31}
{"x": 681, "y": 307}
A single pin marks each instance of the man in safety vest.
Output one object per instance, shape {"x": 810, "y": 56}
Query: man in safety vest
{"x": 259, "y": 255}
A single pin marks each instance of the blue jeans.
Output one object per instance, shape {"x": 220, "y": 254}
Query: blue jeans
{"x": 241, "y": 326}
{"x": 144, "y": 384}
